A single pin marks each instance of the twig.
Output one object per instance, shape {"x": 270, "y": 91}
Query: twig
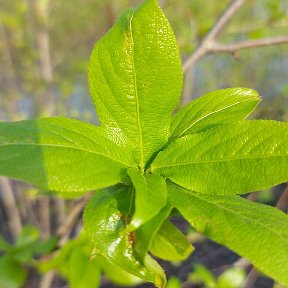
{"x": 233, "y": 48}
{"x": 251, "y": 279}
{"x": 44, "y": 216}
{"x": 11, "y": 208}
{"x": 209, "y": 40}
{"x": 64, "y": 230}
{"x": 283, "y": 200}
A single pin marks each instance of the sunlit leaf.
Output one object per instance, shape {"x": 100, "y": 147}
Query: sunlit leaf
{"x": 135, "y": 78}
{"x": 214, "y": 108}
{"x": 232, "y": 158}
{"x": 253, "y": 230}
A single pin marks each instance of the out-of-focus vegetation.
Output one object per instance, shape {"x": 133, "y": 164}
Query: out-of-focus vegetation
{"x": 45, "y": 46}
{"x": 44, "y": 50}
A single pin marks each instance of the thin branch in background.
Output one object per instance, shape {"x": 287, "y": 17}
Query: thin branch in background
{"x": 282, "y": 202}
{"x": 63, "y": 232}
{"x": 65, "y": 229}
{"x": 209, "y": 40}
{"x": 210, "y": 45}
{"x": 233, "y": 48}
{"x": 251, "y": 279}
{"x": 8, "y": 199}
{"x": 44, "y": 215}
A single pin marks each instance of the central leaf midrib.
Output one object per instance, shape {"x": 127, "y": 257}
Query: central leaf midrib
{"x": 140, "y": 136}
{"x": 217, "y": 161}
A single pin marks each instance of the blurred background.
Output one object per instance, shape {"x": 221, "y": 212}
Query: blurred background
{"x": 44, "y": 52}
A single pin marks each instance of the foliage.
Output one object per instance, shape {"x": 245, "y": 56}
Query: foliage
{"x": 231, "y": 278}
{"x": 197, "y": 162}
{"x": 14, "y": 259}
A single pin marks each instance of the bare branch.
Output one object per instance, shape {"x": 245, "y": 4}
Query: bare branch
{"x": 11, "y": 208}
{"x": 233, "y": 48}
{"x": 65, "y": 229}
{"x": 209, "y": 40}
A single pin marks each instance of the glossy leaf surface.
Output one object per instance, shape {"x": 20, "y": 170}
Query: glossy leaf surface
{"x": 150, "y": 196}
{"x": 232, "y": 158}
{"x": 105, "y": 222}
{"x": 257, "y": 232}
{"x": 130, "y": 77}
{"x": 61, "y": 154}
{"x": 116, "y": 274}
{"x": 170, "y": 244}
{"x": 214, "y": 108}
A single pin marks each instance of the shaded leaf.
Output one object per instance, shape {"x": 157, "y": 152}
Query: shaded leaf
{"x": 170, "y": 244}
{"x": 150, "y": 197}
{"x": 116, "y": 274}
{"x": 147, "y": 232}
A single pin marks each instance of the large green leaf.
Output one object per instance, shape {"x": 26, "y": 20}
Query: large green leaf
{"x": 257, "y": 232}
{"x": 214, "y": 108}
{"x": 170, "y": 244}
{"x": 231, "y": 158}
{"x": 61, "y": 154}
{"x": 150, "y": 196}
{"x": 135, "y": 78}
{"x": 105, "y": 220}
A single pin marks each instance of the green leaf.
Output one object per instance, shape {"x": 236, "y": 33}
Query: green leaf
{"x": 173, "y": 282}
{"x": 170, "y": 244}
{"x": 257, "y": 232}
{"x": 135, "y": 78}
{"x": 4, "y": 245}
{"x": 231, "y": 158}
{"x": 150, "y": 197}
{"x": 105, "y": 223}
{"x": 61, "y": 154}
{"x": 232, "y": 278}
{"x": 147, "y": 232}
{"x": 73, "y": 261}
{"x": 46, "y": 246}
{"x": 116, "y": 274}
{"x": 12, "y": 275}
{"x": 83, "y": 272}
{"x": 201, "y": 275}
{"x": 28, "y": 236}
{"x": 214, "y": 108}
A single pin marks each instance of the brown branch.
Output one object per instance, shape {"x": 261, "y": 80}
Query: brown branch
{"x": 233, "y": 48}
{"x": 209, "y": 40}
{"x": 63, "y": 232}
{"x": 282, "y": 202}
{"x": 8, "y": 198}
{"x": 65, "y": 229}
